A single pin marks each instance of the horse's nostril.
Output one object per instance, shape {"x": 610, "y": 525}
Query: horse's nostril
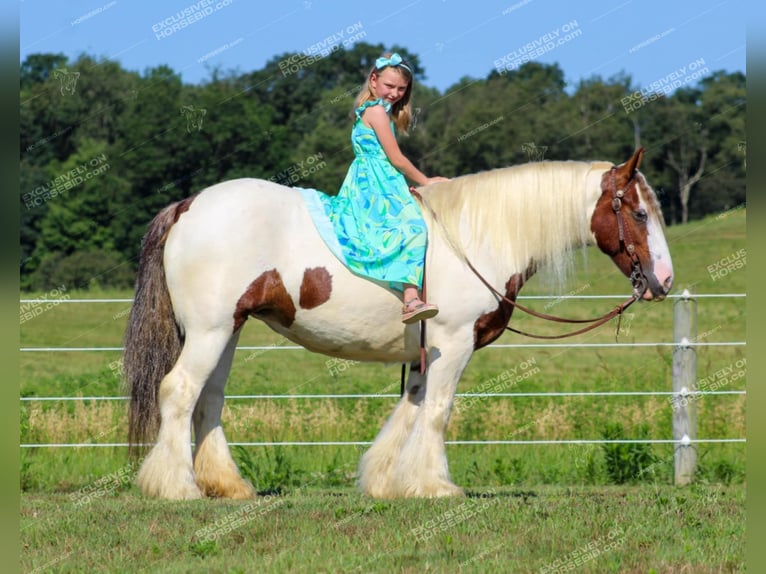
{"x": 668, "y": 283}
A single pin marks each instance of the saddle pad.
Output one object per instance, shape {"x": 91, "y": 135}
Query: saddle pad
{"x": 321, "y": 221}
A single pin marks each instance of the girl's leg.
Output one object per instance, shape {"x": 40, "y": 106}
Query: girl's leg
{"x": 414, "y": 309}
{"x": 410, "y": 293}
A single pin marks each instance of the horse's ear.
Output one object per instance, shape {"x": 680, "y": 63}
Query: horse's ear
{"x": 635, "y": 160}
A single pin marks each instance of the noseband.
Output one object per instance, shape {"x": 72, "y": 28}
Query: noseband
{"x": 637, "y": 277}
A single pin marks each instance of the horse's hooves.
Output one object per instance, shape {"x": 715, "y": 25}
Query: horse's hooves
{"x": 239, "y": 490}
{"x": 439, "y": 491}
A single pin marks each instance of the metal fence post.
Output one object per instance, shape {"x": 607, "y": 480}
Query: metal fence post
{"x": 684, "y": 386}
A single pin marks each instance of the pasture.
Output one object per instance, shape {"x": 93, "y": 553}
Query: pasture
{"x": 592, "y": 507}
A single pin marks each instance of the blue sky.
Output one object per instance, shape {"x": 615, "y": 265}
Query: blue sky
{"x": 657, "y": 43}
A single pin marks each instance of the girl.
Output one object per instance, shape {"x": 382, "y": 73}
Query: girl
{"x": 378, "y": 223}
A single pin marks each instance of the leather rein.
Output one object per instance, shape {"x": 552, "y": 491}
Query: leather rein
{"x": 637, "y": 276}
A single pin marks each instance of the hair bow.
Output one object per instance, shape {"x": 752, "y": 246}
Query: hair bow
{"x": 394, "y": 60}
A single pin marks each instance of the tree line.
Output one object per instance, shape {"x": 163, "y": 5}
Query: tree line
{"x": 103, "y": 149}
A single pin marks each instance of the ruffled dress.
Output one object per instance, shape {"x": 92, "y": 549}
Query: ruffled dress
{"x": 378, "y": 224}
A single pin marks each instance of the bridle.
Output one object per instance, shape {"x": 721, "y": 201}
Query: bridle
{"x": 637, "y": 277}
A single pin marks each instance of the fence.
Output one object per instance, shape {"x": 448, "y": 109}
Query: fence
{"x": 683, "y": 394}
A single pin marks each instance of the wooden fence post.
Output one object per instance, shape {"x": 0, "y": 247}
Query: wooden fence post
{"x": 684, "y": 385}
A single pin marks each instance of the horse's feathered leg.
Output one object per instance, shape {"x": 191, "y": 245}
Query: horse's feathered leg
{"x": 216, "y": 473}
{"x": 408, "y": 458}
{"x": 167, "y": 471}
{"x": 376, "y": 469}
{"x": 421, "y": 469}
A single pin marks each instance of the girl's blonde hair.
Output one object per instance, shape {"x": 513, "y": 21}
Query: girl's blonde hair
{"x": 401, "y": 112}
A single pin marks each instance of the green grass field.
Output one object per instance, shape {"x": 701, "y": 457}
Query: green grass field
{"x": 542, "y": 529}
{"x": 543, "y": 502}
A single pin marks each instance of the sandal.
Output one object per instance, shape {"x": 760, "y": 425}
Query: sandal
{"x": 416, "y": 310}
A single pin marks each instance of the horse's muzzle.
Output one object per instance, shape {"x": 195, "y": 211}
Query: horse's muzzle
{"x": 653, "y": 288}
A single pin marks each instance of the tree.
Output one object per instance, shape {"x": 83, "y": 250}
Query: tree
{"x": 79, "y": 214}
{"x": 689, "y": 165}
{"x": 602, "y": 128}
{"x": 37, "y": 68}
{"x": 162, "y": 140}
{"x": 722, "y": 105}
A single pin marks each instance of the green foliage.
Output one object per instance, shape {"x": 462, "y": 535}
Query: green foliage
{"x": 626, "y": 462}
{"x": 27, "y": 478}
{"x": 270, "y": 474}
{"x": 510, "y": 471}
{"x": 718, "y": 471}
{"x": 83, "y": 270}
{"x": 204, "y": 548}
{"x": 262, "y": 124}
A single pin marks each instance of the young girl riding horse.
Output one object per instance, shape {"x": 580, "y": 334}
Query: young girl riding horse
{"x": 378, "y": 223}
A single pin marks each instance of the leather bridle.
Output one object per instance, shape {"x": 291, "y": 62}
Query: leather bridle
{"x": 637, "y": 277}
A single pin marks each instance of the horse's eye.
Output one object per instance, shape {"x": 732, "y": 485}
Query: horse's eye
{"x": 640, "y": 215}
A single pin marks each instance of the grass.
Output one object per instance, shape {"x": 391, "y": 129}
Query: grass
{"x": 606, "y": 529}
{"x": 546, "y": 501}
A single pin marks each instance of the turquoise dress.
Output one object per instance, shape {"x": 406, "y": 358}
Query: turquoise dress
{"x": 378, "y": 223}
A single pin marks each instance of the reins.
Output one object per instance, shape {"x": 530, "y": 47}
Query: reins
{"x": 593, "y": 323}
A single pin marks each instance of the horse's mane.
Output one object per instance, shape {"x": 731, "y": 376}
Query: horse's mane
{"x": 534, "y": 211}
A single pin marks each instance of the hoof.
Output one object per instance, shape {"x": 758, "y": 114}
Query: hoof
{"x": 168, "y": 491}
{"x": 439, "y": 490}
{"x": 159, "y": 479}
{"x": 237, "y": 490}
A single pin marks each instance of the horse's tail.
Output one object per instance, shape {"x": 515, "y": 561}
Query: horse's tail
{"x": 153, "y": 338}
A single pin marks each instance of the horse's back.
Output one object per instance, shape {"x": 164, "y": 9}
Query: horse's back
{"x": 236, "y": 212}
{"x": 244, "y": 201}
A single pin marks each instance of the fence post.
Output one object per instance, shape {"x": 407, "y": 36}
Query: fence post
{"x": 684, "y": 385}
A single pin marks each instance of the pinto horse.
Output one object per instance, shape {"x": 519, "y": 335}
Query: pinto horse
{"x": 249, "y": 248}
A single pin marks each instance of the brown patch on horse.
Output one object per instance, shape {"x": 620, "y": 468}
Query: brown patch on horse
{"x": 315, "y": 287}
{"x": 182, "y": 207}
{"x": 491, "y": 325}
{"x": 265, "y": 298}
{"x": 160, "y": 226}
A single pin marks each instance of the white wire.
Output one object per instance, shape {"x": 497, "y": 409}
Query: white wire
{"x": 396, "y": 396}
{"x": 530, "y": 297}
{"x": 449, "y": 442}
{"x": 496, "y": 346}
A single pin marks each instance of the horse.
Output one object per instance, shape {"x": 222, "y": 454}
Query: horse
{"x": 249, "y": 248}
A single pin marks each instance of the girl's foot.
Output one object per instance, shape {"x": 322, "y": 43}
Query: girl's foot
{"x": 415, "y": 310}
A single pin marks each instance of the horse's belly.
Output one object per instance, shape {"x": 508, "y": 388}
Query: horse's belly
{"x": 352, "y": 333}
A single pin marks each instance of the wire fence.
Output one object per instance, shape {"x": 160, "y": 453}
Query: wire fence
{"x": 355, "y": 396}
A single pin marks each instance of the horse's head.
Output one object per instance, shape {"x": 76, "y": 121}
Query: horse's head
{"x": 628, "y": 226}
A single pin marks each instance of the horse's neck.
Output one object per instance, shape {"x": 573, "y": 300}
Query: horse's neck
{"x": 525, "y": 219}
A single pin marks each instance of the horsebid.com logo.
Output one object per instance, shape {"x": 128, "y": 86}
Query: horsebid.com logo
{"x": 344, "y": 37}
{"x": 187, "y": 16}
{"x": 661, "y": 87}
{"x": 66, "y": 181}
{"x": 37, "y": 307}
{"x": 537, "y": 47}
